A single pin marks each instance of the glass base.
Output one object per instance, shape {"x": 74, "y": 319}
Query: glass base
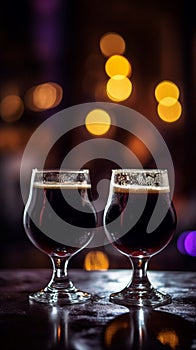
{"x": 65, "y": 297}
{"x": 135, "y": 297}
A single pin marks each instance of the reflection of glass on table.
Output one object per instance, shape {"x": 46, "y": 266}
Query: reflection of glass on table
{"x": 142, "y": 328}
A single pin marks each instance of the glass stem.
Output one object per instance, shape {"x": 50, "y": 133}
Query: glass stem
{"x": 139, "y": 275}
{"x": 60, "y": 280}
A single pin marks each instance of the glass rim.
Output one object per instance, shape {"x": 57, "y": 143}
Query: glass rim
{"x": 53, "y": 170}
{"x": 134, "y": 170}
{"x": 140, "y": 178}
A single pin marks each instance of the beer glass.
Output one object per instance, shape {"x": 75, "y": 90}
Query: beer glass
{"x": 139, "y": 221}
{"x": 59, "y": 220}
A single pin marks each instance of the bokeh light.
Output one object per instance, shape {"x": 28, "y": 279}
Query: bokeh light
{"x": 186, "y": 243}
{"x": 180, "y": 243}
{"x": 96, "y": 260}
{"x": 169, "y": 113}
{"x": 98, "y": 122}
{"x": 139, "y": 149}
{"x": 168, "y": 101}
{"x": 118, "y": 88}
{"x": 11, "y": 108}
{"x": 190, "y": 243}
{"x": 112, "y": 44}
{"x": 166, "y": 88}
{"x": 169, "y": 338}
{"x": 117, "y": 65}
{"x": 12, "y": 139}
{"x": 44, "y": 96}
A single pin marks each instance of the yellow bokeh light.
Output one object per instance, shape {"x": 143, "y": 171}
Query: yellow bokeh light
{"x": 118, "y": 88}
{"x": 168, "y": 101}
{"x": 112, "y": 44}
{"x": 11, "y": 108}
{"x": 168, "y": 337}
{"x": 44, "y": 96}
{"x": 117, "y": 327}
{"x": 96, "y": 260}
{"x": 169, "y": 113}
{"x": 117, "y": 65}
{"x": 166, "y": 89}
{"x": 97, "y": 122}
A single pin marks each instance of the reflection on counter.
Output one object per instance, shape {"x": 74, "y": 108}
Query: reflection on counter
{"x": 144, "y": 329}
{"x": 96, "y": 324}
{"x": 45, "y": 327}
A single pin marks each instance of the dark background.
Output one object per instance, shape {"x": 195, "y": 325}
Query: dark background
{"x": 58, "y": 41}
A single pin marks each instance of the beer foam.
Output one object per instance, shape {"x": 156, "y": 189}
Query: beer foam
{"x": 141, "y": 189}
{"x": 62, "y": 185}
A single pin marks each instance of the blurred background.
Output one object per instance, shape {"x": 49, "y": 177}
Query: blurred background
{"x": 58, "y": 53}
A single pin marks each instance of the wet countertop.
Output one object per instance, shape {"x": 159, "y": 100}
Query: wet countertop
{"x": 97, "y": 324}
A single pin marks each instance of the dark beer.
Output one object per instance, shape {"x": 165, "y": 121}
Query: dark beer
{"x": 53, "y": 205}
{"x": 132, "y": 208}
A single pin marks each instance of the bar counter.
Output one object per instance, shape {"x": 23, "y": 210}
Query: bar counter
{"x": 97, "y": 324}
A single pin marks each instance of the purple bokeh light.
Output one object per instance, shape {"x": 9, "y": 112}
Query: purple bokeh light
{"x": 180, "y": 243}
{"x": 190, "y": 243}
{"x": 186, "y": 243}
